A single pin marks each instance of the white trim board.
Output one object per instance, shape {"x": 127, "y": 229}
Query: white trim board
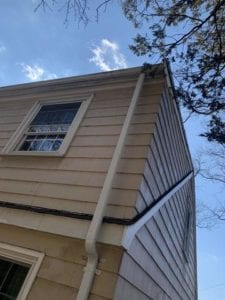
{"x": 29, "y": 257}
{"x": 15, "y": 140}
{"x": 131, "y": 230}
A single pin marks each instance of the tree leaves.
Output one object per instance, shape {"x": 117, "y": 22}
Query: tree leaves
{"x": 191, "y": 34}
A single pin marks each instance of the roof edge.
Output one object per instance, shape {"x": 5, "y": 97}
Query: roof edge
{"x": 170, "y": 82}
{"x": 97, "y": 75}
{"x": 121, "y": 73}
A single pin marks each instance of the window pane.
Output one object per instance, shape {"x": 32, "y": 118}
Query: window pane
{"x": 25, "y": 146}
{"x": 35, "y": 145}
{"x": 56, "y": 145}
{"x": 12, "y": 276}
{"x": 59, "y": 107}
{"x": 50, "y": 142}
{"x": 56, "y": 114}
{"x": 52, "y": 119}
{"x": 5, "y": 297}
{"x": 46, "y": 145}
{"x": 68, "y": 117}
{"x": 14, "y": 280}
{"x": 4, "y": 268}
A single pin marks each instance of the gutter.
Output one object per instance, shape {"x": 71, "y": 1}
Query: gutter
{"x": 95, "y": 226}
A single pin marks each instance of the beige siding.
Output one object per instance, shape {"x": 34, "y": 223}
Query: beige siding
{"x": 61, "y": 271}
{"x": 167, "y": 161}
{"x": 155, "y": 264}
{"x": 45, "y": 290}
{"x": 153, "y": 160}
{"x": 74, "y": 182}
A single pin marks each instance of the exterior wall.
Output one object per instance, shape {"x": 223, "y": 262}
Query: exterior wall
{"x": 155, "y": 265}
{"x": 61, "y": 271}
{"x": 167, "y": 161}
{"x": 154, "y": 159}
{"x": 74, "y": 182}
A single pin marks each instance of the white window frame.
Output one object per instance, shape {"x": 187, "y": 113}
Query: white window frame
{"x": 29, "y": 257}
{"x": 16, "y": 139}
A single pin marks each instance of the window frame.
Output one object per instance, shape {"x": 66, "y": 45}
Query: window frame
{"x": 29, "y": 257}
{"x": 15, "y": 141}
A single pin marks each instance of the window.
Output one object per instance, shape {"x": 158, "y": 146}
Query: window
{"x": 18, "y": 269}
{"x": 12, "y": 277}
{"x": 48, "y": 128}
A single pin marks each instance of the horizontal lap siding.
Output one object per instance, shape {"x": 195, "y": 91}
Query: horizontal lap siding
{"x": 155, "y": 262}
{"x": 167, "y": 160}
{"x": 125, "y": 290}
{"x": 74, "y": 182}
{"x": 11, "y": 115}
{"x": 61, "y": 271}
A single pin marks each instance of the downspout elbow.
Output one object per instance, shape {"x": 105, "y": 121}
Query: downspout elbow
{"x": 89, "y": 272}
{"x": 90, "y": 268}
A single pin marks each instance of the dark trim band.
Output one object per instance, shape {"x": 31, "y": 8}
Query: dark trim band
{"x": 82, "y": 216}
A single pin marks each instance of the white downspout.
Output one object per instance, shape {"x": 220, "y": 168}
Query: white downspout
{"x": 91, "y": 239}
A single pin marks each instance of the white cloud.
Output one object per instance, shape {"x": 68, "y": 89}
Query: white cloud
{"x": 2, "y": 48}
{"x": 35, "y": 72}
{"x": 107, "y": 56}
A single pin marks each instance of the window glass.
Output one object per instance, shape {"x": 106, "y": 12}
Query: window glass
{"x": 49, "y": 127}
{"x": 12, "y": 276}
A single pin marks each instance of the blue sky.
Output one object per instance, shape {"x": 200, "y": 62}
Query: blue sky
{"x": 38, "y": 46}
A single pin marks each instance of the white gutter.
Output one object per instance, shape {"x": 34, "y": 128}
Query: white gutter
{"x": 95, "y": 226}
{"x": 131, "y": 230}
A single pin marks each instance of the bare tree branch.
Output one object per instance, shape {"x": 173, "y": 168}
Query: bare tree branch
{"x": 100, "y": 6}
